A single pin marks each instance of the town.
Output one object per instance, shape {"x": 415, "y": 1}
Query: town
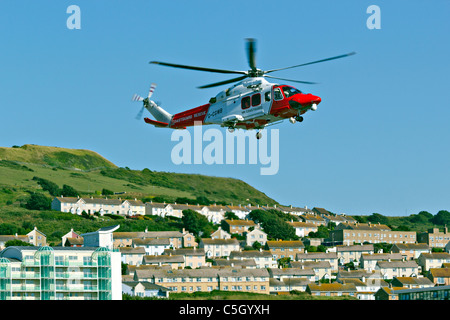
{"x": 365, "y": 261}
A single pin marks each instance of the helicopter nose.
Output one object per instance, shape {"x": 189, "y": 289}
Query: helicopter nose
{"x": 308, "y": 99}
{"x": 315, "y": 99}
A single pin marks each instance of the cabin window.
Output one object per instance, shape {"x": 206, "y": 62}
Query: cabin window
{"x": 245, "y": 103}
{"x": 256, "y": 100}
{"x": 277, "y": 94}
{"x": 267, "y": 96}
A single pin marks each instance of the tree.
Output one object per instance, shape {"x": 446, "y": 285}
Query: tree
{"x": 441, "y": 218}
{"x": 322, "y": 232}
{"x": 378, "y": 218}
{"x": 231, "y": 215}
{"x": 68, "y": 191}
{"x": 8, "y": 228}
{"x": 256, "y": 245}
{"x": 194, "y": 221}
{"x": 38, "y": 201}
{"x": 107, "y": 192}
{"x": 275, "y": 226}
{"x": 202, "y": 200}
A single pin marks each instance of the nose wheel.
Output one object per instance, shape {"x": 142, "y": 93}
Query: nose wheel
{"x": 299, "y": 118}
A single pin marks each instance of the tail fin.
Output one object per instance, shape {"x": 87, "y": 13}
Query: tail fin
{"x": 159, "y": 113}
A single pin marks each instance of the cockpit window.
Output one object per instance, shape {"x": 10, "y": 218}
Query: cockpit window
{"x": 290, "y": 91}
{"x": 277, "y": 95}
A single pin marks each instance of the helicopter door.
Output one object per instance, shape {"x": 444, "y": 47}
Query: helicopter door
{"x": 251, "y": 106}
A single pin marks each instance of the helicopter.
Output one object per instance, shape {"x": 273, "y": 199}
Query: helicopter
{"x": 251, "y": 103}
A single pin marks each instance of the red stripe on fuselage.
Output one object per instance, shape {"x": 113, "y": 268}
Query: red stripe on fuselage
{"x": 189, "y": 117}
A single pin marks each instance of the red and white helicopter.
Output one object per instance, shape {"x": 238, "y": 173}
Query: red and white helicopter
{"x": 251, "y": 103}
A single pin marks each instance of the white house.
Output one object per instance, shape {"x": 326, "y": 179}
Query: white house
{"x": 102, "y": 206}
{"x": 302, "y": 229}
{"x": 391, "y": 269}
{"x": 369, "y": 261}
{"x": 103, "y": 237}
{"x": 215, "y": 248}
{"x": 256, "y": 235}
{"x": 153, "y": 246}
{"x": 240, "y": 211}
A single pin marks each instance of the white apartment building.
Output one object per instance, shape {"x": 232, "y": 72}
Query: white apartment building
{"x": 60, "y": 273}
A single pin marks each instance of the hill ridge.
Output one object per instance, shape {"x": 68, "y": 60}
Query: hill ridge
{"x": 81, "y": 159}
{"x": 90, "y": 173}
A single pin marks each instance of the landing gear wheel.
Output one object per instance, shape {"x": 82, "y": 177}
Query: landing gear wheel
{"x": 299, "y": 118}
{"x": 258, "y": 135}
{"x": 230, "y": 129}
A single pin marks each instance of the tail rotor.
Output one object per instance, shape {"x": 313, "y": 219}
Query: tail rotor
{"x": 145, "y": 101}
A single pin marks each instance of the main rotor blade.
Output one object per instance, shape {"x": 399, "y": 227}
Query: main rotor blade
{"x": 251, "y": 53}
{"x": 222, "y": 82}
{"x": 196, "y": 68}
{"x": 305, "y": 64}
{"x": 298, "y": 81}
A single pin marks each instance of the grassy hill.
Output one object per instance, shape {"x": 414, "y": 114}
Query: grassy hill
{"x": 55, "y": 157}
{"x": 89, "y": 173}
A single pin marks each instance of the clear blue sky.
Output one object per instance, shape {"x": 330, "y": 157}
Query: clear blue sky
{"x": 379, "y": 141}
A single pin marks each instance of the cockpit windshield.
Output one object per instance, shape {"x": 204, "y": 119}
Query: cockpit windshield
{"x": 290, "y": 91}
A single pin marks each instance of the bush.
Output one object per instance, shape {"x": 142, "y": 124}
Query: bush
{"x": 68, "y": 191}
{"x": 38, "y": 201}
{"x": 107, "y": 192}
{"x": 16, "y": 243}
{"x": 49, "y": 186}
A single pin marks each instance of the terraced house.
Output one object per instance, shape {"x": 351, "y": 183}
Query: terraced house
{"x": 353, "y": 233}
{"x": 285, "y": 249}
{"x": 102, "y": 206}
{"x": 207, "y": 279}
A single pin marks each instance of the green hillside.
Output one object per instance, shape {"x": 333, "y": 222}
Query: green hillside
{"x": 89, "y": 173}
{"x": 55, "y": 157}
